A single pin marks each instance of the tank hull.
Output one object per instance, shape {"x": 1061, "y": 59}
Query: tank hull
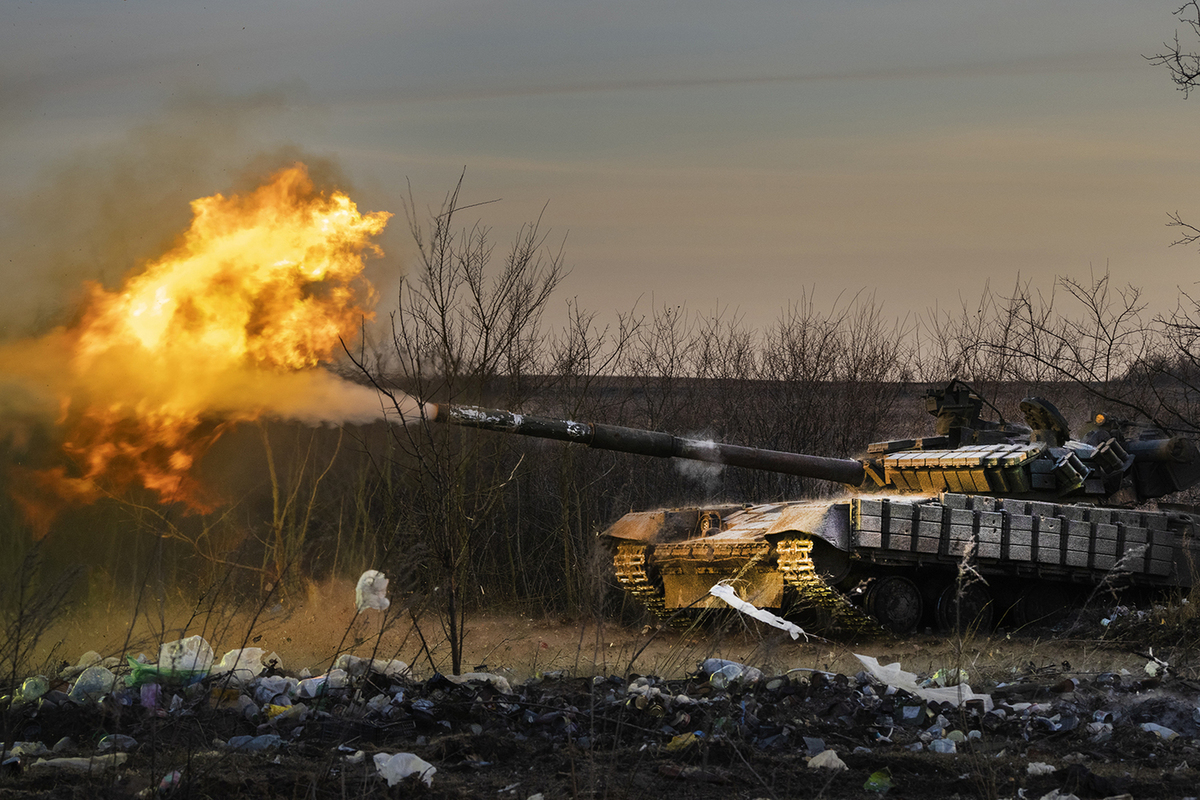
{"x": 892, "y": 563}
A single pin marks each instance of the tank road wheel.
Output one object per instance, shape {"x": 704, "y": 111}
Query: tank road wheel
{"x": 967, "y": 609}
{"x": 896, "y": 602}
{"x": 827, "y": 607}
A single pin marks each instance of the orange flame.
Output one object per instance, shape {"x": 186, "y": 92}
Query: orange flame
{"x": 226, "y": 327}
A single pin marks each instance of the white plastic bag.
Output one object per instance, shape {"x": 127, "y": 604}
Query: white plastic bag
{"x": 315, "y": 687}
{"x": 726, "y": 592}
{"x": 892, "y": 675}
{"x": 192, "y": 654}
{"x": 371, "y": 591}
{"x": 397, "y": 767}
{"x": 358, "y": 667}
{"x": 245, "y": 664}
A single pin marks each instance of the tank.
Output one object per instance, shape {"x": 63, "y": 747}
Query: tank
{"x": 981, "y": 521}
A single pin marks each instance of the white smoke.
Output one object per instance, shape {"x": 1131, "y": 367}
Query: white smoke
{"x": 312, "y": 397}
{"x": 705, "y": 473}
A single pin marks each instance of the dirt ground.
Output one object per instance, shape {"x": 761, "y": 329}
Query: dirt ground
{"x": 309, "y": 630}
{"x": 590, "y": 708}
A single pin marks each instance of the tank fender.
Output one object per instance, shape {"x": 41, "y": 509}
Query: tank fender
{"x": 829, "y": 521}
{"x": 644, "y": 526}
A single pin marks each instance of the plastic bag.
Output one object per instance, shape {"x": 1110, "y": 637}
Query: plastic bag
{"x": 726, "y": 592}
{"x": 251, "y": 744}
{"x": 142, "y": 674}
{"x": 91, "y": 764}
{"x": 275, "y": 689}
{"x": 371, "y": 591}
{"x": 180, "y": 663}
{"x": 318, "y": 686}
{"x": 397, "y": 767}
{"x": 359, "y": 667}
{"x": 92, "y": 684}
{"x": 892, "y": 675}
{"x": 89, "y": 659}
{"x": 31, "y": 689}
{"x": 244, "y": 665}
{"x": 498, "y": 682}
{"x": 192, "y": 654}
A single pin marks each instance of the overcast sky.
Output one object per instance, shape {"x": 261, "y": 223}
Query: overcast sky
{"x": 704, "y": 153}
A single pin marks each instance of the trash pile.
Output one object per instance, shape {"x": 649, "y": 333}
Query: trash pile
{"x": 244, "y": 725}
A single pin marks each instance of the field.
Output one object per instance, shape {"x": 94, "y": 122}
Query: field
{"x": 597, "y": 708}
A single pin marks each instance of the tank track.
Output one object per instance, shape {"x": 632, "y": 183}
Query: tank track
{"x": 795, "y": 563}
{"x": 629, "y": 563}
{"x": 800, "y": 573}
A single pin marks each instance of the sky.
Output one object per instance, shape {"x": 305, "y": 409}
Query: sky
{"x": 714, "y": 155}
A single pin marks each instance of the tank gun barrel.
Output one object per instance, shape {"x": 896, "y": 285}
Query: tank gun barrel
{"x": 652, "y": 443}
{"x": 1175, "y": 448}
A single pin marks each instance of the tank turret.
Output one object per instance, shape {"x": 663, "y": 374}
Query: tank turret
{"x": 1039, "y": 460}
{"x": 1038, "y": 516}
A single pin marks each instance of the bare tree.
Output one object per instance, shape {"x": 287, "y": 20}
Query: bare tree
{"x": 1172, "y": 373}
{"x": 295, "y": 500}
{"x": 582, "y": 359}
{"x": 1089, "y": 337}
{"x": 832, "y": 378}
{"x": 463, "y": 330}
{"x": 1183, "y": 63}
{"x": 659, "y": 360}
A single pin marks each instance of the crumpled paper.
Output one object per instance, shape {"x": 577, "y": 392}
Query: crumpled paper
{"x": 892, "y": 675}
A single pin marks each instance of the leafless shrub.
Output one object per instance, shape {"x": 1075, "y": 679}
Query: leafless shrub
{"x": 1088, "y": 337}
{"x": 461, "y": 325}
{"x": 31, "y": 601}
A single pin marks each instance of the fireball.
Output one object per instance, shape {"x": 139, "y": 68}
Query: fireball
{"x": 231, "y": 325}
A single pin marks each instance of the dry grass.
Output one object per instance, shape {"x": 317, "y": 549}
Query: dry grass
{"x": 309, "y": 630}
